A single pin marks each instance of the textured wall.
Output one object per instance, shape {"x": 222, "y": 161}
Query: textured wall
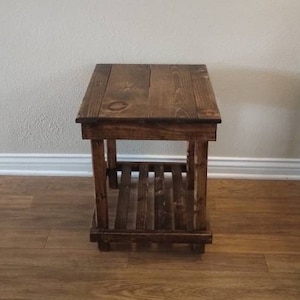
{"x": 48, "y": 50}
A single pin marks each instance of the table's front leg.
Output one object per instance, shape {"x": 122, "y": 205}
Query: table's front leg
{"x": 201, "y": 149}
{"x": 99, "y": 168}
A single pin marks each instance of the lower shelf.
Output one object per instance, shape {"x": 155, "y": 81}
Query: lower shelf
{"x": 153, "y": 205}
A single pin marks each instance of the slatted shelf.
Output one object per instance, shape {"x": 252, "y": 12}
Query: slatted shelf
{"x": 152, "y": 204}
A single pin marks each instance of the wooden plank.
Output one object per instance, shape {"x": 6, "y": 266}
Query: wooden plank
{"x": 190, "y": 186}
{"x": 132, "y": 130}
{"x": 136, "y": 165}
{"x": 178, "y": 198}
{"x": 212, "y": 262}
{"x": 112, "y": 163}
{"x": 127, "y": 92}
{"x": 159, "y": 198}
{"x": 60, "y": 283}
{"x": 155, "y": 236}
{"x": 61, "y": 257}
{"x": 286, "y": 263}
{"x": 12, "y": 202}
{"x": 270, "y": 243}
{"x": 91, "y": 103}
{"x": 99, "y": 168}
{"x": 204, "y": 95}
{"x": 123, "y": 199}
{"x": 200, "y": 184}
{"x": 143, "y": 187}
{"x": 150, "y": 220}
{"x": 23, "y": 238}
{"x": 171, "y": 92}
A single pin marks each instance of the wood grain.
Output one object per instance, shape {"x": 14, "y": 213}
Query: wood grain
{"x": 160, "y": 198}
{"x": 200, "y": 184}
{"x": 143, "y": 192}
{"x": 62, "y": 264}
{"x": 112, "y": 163}
{"x": 127, "y": 92}
{"x": 179, "y": 198}
{"x": 123, "y": 200}
{"x": 204, "y": 95}
{"x": 171, "y": 92}
{"x": 154, "y": 130}
{"x": 92, "y": 100}
{"x": 137, "y": 92}
{"x": 99, "y": 168}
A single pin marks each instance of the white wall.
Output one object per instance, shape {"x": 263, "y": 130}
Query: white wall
{"x": 48, "y": 50}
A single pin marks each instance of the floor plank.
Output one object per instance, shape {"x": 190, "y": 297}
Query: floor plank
{"x": 283, "y": 263}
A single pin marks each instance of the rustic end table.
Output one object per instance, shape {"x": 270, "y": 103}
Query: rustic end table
{"x": 150, "y": 102}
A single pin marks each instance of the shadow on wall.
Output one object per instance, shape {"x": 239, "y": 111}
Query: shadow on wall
{"x": 260, "y": 113}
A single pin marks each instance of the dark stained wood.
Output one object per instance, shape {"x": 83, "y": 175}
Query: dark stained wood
{"x": 190, "y": 186}
{"x": 92, "y": 100}
{"x": 123, "y": 200}
{"x": 179, "y": 198}
{"x": 156, "y": 236}
{"x": 150, "y": 205}
{"x": 112, "y": 163}
{"x": 99, "y": 168}
{"x": 152, "y": 102}
{"x": 201, "y": 183}
{"x": 133, "y": 130}
{"x": 136, "y": 166}
{"x": 127, "y": 92}
{"x": 176, "y": 93}
{"x": 171, "y": 92}
{"x": 143, "y": 191}
{"x": 160, "y": 198}
{"x": 204, "y": 95}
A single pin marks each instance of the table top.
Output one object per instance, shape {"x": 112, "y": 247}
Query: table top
{"x": 166, "y": 93}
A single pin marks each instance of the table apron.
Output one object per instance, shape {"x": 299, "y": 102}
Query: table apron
{"x": 151, "y": 131}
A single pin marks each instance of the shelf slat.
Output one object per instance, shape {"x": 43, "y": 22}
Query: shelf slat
{"x": 178, "y": 198}
{"x": 123, "y": 199}
{"x": 143, "y": 187}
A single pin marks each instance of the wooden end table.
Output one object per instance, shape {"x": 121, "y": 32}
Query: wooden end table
{"x": 150, "y": 102}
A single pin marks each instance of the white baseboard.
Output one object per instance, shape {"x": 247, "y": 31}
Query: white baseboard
{"x": 80, "y": 165}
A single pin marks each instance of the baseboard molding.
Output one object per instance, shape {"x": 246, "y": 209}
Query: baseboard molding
{"x": 80, "y": 165}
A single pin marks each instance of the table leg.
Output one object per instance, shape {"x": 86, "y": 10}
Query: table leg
{"x": 190, "y": 185}
{"x": 200, "y": 184}
{"x": 99, "y": 168}
{"x": 112, "y": 164}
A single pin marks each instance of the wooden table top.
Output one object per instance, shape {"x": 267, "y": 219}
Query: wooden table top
{"x": 167, "y": 93}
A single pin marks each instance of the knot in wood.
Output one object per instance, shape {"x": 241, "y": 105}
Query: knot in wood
{"x": 117, "y": 105}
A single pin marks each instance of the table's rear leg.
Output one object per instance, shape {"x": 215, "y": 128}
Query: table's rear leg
{"x": 99, "y": 168}
{"x": 112, "y": 164}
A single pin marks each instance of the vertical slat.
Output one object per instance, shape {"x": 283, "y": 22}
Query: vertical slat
{"x": 178, "y": 195}
{"x": 150, "y": 205}
{"x": 143, "y": 187}
{"x": 112, "y": 164}
{"x": 123, "y": 199}
{"x": 99, "y": 168}
{"x": 159, "y": 198}
{"x": 201, "y": 183}
{"x": 190, "y": 184}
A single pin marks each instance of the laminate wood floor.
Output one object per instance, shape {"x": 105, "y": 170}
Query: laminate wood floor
{"x": 45, "y": 251}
